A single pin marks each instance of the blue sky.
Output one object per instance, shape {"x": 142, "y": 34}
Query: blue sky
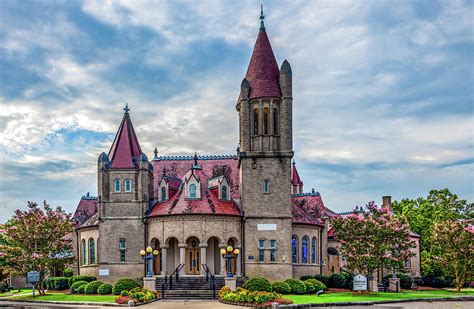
{"x": 383, "y": 91}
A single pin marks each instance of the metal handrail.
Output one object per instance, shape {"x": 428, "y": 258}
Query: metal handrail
{"x": 212, "y": 281}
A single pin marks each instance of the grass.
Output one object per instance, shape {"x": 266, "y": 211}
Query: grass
{"x": 68, "y": 297}
{"x": 375, "y": 296}
{"x": 22, "y": 291}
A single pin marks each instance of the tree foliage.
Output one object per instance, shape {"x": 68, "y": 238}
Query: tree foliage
{"x": 372, "y": 239}
{"x": 453, "y": 246}
{"x": 35, "y": 240}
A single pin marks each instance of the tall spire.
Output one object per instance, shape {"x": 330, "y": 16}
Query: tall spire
{"x": 125, "y": 149}
{"x": 262, "y": 17}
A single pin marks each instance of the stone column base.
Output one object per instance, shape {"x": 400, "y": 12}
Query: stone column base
{"x": 394, "y": 284}
{"x": 149, "y": 283}
{"x": 231, "y": 283}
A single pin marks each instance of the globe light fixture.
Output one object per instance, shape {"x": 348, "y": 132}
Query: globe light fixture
{"x": 229, "y": 253}
{"x": 230, "y": 249}
{"x": 142, "y": 252}
{"x": 149, "y": 249}
{"x": 223, "y": 251}
{"x": 236, "y": 251}
{"x": 148, "y": 256}
{"x": 156, "y": 252}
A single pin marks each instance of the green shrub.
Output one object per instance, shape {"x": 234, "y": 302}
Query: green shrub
{"x": 124, "y": 284}
{"x": 304, "y": 278}
{"x": 323, "y": 279}
{"x": 105, "y": 289}
{"x": 140, "y": 294}
{"x": 310, "y": 288}
{"x": 73, "y": 279}
{"x": 68, "y": 272}
{"x": 405, "y": 280}
{"x": 297, "y": 286}
{"x": 250, "y": 297}
{"x": 318, "y": 285}
{"x": 91, "y": 287}
{"x": 258, "y": 284}
{"x": 349, "y": 279}
{"x": 77, "y": 284}
{"x": 80, "y": 289}
{"x": 337, "y": 281}
{"x": 56, "y": 283}
{"x": 281, "y": 287}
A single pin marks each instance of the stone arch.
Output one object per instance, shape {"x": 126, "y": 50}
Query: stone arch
{"x": 193, "y": 256}
{"x": 213, "y": 255}
{"x": 333, "y": 260}
{"x": 232, "y": 241}
{"x": 172, "y": 256}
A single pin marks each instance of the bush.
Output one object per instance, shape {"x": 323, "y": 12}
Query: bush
{"x": 297, "y": 286}
{"x": 91, "y": 287}
{"x": 122, "y": 299}
{"x": 56, "y": 283}
{"x": 68, "y": 272}
{"x": 348, "y": 281}
{"x": 281, "y": 287}
{"x": 318, "y": 285}
{"x": 309, "y": 287}
{"x": 80, "y": 289}
{"x": 105, "y": 289}
{"x": 436, "y": 282}
{"x": 405, "y": 280}
{"x": 124, "y": 284}
{"x": 250, "y": 297}
{"x": 304, "y": 278}
{"x": 224, "y": 290}
{"x": 337, "y": 281}
{"x": 258, "y": 284}
{"x": 77, "y": 284}
{"x": 87, "y": 279}
{"x": 140, "y": 294}
{"x": 323, "y": 279}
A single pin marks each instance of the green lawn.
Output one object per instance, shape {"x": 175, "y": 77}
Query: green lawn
{"x": 22, "y": 291}
{"x": 350, "y": 297}
{"x": 68, "y": 297}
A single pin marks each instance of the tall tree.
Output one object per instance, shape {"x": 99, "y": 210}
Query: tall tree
{"x": 373, "y": 239}
{"x": 453, "y": 245}
{"x": 34, "y": 240}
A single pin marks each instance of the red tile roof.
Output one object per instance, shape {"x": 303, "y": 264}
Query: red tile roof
{"x": 86, "y": 208}
{"x": 125, "y": 149}
{"x": 263, "y": 74}
{"x": 311, "y": 204}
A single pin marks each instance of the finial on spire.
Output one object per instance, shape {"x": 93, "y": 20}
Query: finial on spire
{"x": 262, "y": 17}
{"x": 294, "y": 163}
{"x": 164, "y": 170}
{"x": 195, "y": 159}
{"x": 126, "y": 109}
{"x": 156, "y": 153}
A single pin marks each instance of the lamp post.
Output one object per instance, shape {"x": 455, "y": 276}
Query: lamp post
{"x": 227, "y": 254}
{"x": 148, "y": 256}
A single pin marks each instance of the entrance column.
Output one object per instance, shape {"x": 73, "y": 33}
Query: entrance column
{"x": 203, "y": 257}
{"x": 182, "y": 258}
{"x": 223, "y": 270}
{"x": 238, "y": 262}
{"x": 164, "y": 258}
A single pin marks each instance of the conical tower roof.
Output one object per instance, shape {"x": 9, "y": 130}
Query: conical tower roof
{"x": 125, "y": 150}
{"x": 295, "y": 177}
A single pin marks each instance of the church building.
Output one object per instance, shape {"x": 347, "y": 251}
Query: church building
{"x": 189, "y": 207}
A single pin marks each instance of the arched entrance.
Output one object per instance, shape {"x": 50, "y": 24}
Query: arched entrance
{"x": 157, "y": 263}
{"x": 333, "y": 260}
{"x": 172, "y": 256}
{"x": 193, "y": 258}
{"x": 213, "y": 255}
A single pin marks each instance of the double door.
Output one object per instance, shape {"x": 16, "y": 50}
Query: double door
{"x": 192, "y": 262}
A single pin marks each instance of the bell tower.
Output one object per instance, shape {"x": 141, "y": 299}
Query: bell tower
{"x": 265, "y": 152}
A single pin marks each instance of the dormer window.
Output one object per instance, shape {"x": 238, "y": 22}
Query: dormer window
{"x": 128, "y": 185}
{"x": 192, "y": 191}
{"x": 224, "y": 193}
{"x": 117, "y": 185}
{"x": 163, "y": 193}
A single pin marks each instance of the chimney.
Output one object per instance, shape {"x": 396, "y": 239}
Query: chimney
{"x": 387, "y": 203}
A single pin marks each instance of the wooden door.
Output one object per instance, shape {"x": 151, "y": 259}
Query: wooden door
{"x": 336, "y": 264}
{"x": 192, "y": 261}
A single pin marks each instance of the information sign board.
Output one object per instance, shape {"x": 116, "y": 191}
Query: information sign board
{"x": 360, "y": 283}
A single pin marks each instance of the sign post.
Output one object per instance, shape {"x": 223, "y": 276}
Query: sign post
{"x": 33, "y": 277}
{"x": 360, "y": 283}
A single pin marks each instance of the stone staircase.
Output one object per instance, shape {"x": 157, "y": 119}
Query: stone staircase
{"x": 189, "y": 288}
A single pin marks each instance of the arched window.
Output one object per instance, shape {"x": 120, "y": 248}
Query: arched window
{"x": 255, "y": 121}
{"x": 224, "y": 193}
{"x": 117, "y": 185}
{"x": 128, "y": 185}
{"x": 304, "y": 250}
{"x": 84, "y": 252}
{"x": 192, "y": 191}
{"x": 313, "y": 250}
{"x": 91, "y": 251}
{"x": 275, "y": 121}
{"x": 294, "y": 249}
{"x": 265, "y": 120}
{"x": 163, "y": 193}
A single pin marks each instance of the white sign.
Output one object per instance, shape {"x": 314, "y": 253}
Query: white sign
{"x": 103, "y": 272}
{"x": 267, "y": 227}
{"x": 32, "y": 276}
{"x": 360, "y": 283}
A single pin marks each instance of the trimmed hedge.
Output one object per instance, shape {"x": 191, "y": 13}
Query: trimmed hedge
{"x": 281, "y": 287}
{"x": 309, "y": 287}
{"x": 318, "y": 285}
{"x": 91, "y": 287}
{"x": 68, "y": 272}
{"x": 87, "y": 279}
{"x": 258, "y": 284}
{"x": 124, "y": 284}
{"x": 323, "y": 279}
{"x": 80, "y": 289}
{"x": 304, "y": 278}
{"x": 105, "y": 289}
{"x": 77, "y": 284}
{"x": 56, "y": 283}
{"x": 337, "y": 281}
{"x": 405, "y": 280}
{"x": 297, "y": 286}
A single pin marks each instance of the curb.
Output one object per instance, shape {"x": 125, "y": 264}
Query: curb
{"x": 63, "y": 302}
{"x": 378, "y": 302}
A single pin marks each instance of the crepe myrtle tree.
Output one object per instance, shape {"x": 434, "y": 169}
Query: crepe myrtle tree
{"x": 34, "y": 240}
{"x": 453, "y": 246}
{"x": 370, "y": 238}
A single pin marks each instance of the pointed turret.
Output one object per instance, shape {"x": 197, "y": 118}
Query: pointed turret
{"x": 296, "y": 183}
{"x": 125, "y": 150}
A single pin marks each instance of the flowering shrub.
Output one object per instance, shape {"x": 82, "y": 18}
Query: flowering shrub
{"x": 281, "y": 287}
{"x": 140, "y": 294}
{"x": 245, "y": 296}
{"x": 258, "y": 284}
{"x": 122, "y": 299}
{"x": 224, "y": 290}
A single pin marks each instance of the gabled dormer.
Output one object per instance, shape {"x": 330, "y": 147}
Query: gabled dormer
{"x": 220, "y": 186}
{"x": 192, "y": 181}
{"x": 167, "y": 187}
